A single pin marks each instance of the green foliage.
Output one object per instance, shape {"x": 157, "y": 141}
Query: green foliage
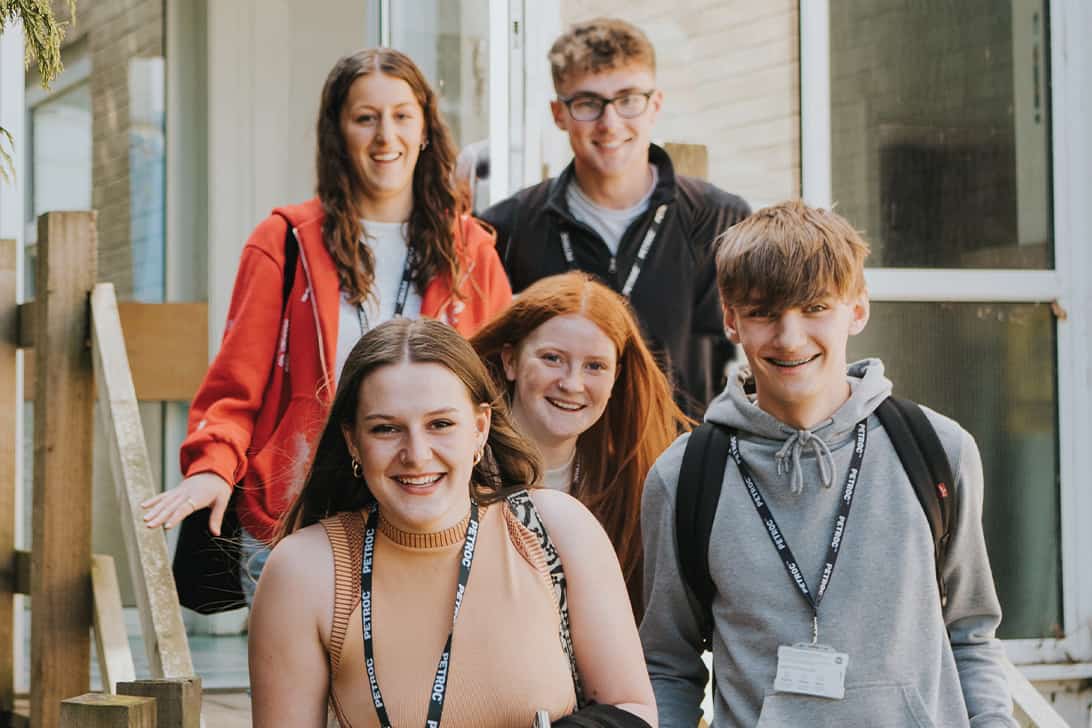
{"x": 43, "y": 36}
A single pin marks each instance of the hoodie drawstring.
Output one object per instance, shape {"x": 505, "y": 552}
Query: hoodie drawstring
{"x": 788, "y": 459}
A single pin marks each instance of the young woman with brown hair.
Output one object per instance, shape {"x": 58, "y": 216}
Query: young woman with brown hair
{"x": 386, "y": 237}
{"x": 585, "y": 389}
{"x": 414, "y": 582}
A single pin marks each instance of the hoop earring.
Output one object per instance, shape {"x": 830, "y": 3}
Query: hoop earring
{"x": 478, "y": 454}
{"x": 356, "y": 469}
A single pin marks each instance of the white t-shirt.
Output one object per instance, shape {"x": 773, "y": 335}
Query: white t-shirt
{"x": 610, "y": 224}
{"x": 388, "y": 243}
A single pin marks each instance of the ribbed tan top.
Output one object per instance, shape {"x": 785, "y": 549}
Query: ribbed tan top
{"x": 506, "y": 660}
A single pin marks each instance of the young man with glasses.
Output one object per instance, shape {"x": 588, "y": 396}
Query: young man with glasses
{"x": 619, "y": 211}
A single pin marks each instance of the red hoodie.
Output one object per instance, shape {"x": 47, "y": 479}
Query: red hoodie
{"x": 257, "y": 416}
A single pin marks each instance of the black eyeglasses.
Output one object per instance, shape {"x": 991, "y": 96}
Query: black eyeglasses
{"x": 589, "y": 107}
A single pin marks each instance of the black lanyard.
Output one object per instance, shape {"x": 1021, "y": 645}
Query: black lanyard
{"x": 642, "y": 252}
{"x": 439, "y": 683}
{"x": 779, "y": 542}
{"x": 400, "y": 299}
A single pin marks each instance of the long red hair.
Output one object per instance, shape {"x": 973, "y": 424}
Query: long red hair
{"x": 640, "y": 420}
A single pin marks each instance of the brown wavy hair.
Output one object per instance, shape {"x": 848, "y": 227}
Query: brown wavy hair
{"x": 510, "y": 462}
{"x": 436, "y": 206}
{"x": 641, "y": 418}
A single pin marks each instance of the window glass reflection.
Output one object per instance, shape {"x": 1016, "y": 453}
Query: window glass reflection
{"x": 992, "y": 368}
{"x": 449, "y": 40}
{"x": 940, "y": 130}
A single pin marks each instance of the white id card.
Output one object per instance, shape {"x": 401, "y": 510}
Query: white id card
{"x": 811, "y": 670}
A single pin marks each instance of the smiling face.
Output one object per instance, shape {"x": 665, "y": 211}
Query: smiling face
{"x": 610, "y": 146}
{"x": 562, "y": 373}
{"x": 383, "y": 126}
{"x": 415, "y": 435}
{"x": 798, "y": 356}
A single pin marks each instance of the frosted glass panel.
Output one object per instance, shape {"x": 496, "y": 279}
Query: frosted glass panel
{"x": 61, "y": 152}
{"x": 991, "y": 366}
{"x": 449, "y": 40}
{"x": 940, "y": 130}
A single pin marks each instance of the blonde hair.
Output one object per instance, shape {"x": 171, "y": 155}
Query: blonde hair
{"x": 599, "y": 45}
{"x": 790, "y": 254}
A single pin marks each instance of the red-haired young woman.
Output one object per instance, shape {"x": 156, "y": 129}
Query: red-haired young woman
{"x": 386, "y": 237}
{"x": 584, "y": 388}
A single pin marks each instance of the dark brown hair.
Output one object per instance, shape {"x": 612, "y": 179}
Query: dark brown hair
{"x": 436, "y": 207}
{"x": 510, "y": 462}
{"x": 598, "y": 45}
{"x": 788, "y": 255}
{"x": 640, "y": 420}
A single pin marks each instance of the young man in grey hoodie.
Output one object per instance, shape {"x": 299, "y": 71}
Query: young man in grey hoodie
{"x": 795, "y": 641}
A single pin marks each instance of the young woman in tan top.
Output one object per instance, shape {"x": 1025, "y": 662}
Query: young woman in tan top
{"x": 416, "y": 581}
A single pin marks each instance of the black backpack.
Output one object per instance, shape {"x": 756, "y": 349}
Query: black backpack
{"x": 702, "y": 474}
{"x": 206, "y": 568}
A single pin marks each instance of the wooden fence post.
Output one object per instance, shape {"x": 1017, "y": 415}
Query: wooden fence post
{"x": 9, "y": 410}
{"x": 95, "y": 710}
{"x": 60, "y": 641}
{"x": 178, "y": 700}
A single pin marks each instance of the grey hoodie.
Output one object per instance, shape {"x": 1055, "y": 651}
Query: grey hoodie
{"x": 911, "y": 663}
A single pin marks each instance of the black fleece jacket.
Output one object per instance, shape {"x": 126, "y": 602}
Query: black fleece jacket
{"x": 675, "y": 296}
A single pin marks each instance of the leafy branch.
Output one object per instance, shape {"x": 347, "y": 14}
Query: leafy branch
{"x": 43, "y": 35}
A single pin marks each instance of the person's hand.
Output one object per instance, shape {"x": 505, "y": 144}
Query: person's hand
{"x": 192, "y": 494}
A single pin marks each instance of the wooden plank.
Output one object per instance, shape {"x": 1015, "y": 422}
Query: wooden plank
{"x": 167, "y": 346}
{"x": 9, "y": 413}
{"x": 60, "y": 642}
{"x": 178, "y": 700}
{"x": 111, "y": 640}
{"x": 96, "y": 710}
{"x": 689, "y": 159}
{"x": 1029, "y": 701}
{"x": 160, "y": 613}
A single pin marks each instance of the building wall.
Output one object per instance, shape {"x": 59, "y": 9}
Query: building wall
{"x": 124, "y": 41}
{"x": 267, "y": 62}
{"x": 115, "y": 32}
{"x": 729, "y": 70}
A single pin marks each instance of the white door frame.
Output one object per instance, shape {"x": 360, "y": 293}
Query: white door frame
{"x": 1069, "y": 284}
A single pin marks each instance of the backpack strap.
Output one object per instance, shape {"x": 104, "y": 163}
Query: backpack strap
{"x": 523, "y": 508}
{"x": 700, "y": 479}
{"x": 291, "y": 255}
{"x": 926, "y": 464}
{"x": 702, "y": 475}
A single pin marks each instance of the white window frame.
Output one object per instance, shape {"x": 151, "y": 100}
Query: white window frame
{"x": 77, "y": 71}
{"x": 1068, "y": 285}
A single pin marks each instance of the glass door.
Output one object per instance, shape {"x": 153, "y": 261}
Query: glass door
{"x": 929, "y": 126}
{"x": 467, "y": 50}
